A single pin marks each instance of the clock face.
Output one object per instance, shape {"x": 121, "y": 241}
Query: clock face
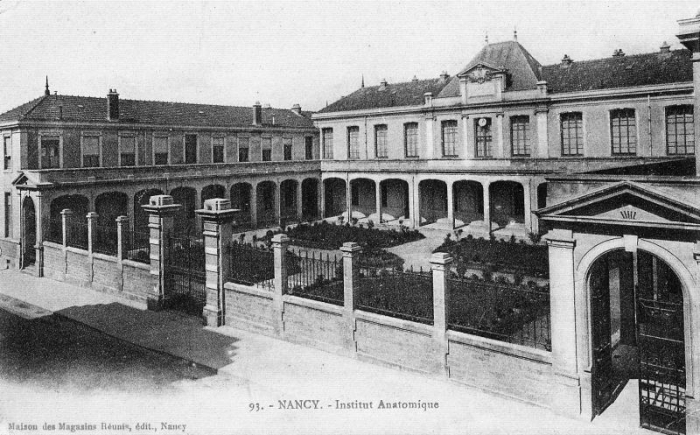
{"x": 482, "y": 122}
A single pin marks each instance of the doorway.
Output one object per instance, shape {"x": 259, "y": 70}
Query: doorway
{"x": 638, "y": 334}
{"x": 29, "y": 239}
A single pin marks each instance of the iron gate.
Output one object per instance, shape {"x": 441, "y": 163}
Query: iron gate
{"x": 661, "y": 365}
{"x": 185, "y": 278}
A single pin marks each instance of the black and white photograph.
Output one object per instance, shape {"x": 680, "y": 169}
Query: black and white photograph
{"x": 349, "y": 217}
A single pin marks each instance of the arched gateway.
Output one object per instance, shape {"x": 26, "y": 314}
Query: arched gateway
{"x": 623, "y": 273}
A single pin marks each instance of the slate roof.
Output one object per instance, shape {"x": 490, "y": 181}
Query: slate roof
{"x": 395, "y": 94}
{"x": 619, "y": 72}
{"x": 92, "y": 109}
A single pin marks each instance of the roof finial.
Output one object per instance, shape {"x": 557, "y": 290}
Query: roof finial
{"x": 363, "y": 81}
{"x": 515, "y": 34}
{"x": 486, "y": 38}
{"x": 46, "y": 90}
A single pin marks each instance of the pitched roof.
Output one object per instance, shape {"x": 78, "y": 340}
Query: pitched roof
{"x": 92, "y": 109}
{"x": 395, "y": 94}
{"x": 618, "y": 72}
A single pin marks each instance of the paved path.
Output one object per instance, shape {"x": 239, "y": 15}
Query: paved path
{"x": 418, "y": 253}
{"x": 263, "y": 370}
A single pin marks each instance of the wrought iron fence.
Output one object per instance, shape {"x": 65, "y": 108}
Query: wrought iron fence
{"x": 500, "y": 311}
{"x": 186, "y": 252}
{"x": 137, "y": 246}
{"x": 185, "y": 275}
{"x": 55, "y": 232}
{"x": 104, "y": 239}
{"x": 251, "y": 265}
{"x": 397, "y": 293}
{"x": 78, "y": 234}
{"x": 315, "y": 276}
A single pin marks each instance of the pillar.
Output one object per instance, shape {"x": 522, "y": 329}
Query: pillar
{"x": 217, "y": 218}
{"x": 160, "y": 209}
{"x": 123, "y": 244}
{"x": 277, "y": 207}
{"x": 39, "y": 246}
{"x": 322, "y": 198}
{"x": 67, "y": 231}
{"x": 300, "y": 201}
{"x": 499, "y": 152}
{"x": 440, "y": 263}
{"x": 450, "y": 205}
{"x": 527, "y": 205}
{"x": 566, "y": 387}
{"x": 348, "y": 199}
{"x": 92, "y": 229}
{"x": 414, "y": 192}
{"x": 542, "y": 135}
{"x": 378, "y": 200}
{"x": 280, "y": 242}
{"x": 253, "y": 205}
{"x": 351, "y": 275}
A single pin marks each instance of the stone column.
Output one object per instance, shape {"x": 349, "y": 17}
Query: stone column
{"x": 351, "y": 275}
{"x": 450, "y": 205}
{"x": 254, "y": 205}
{"x": 378, "y": 200}
{"x": 217, "y": 217}
{"x": 412, "y": 203}
{"x": 440, "y": 262}
{"x": 92, "y": 229}
{"x": 280, "y": 242}
{"x": 160, "y": 209}
{"x": 566, "y": 386}
{"x": 39, "y": 245}
{"x": 322, "y": 198}
{"x": 527, "y": 205}
{"x": 300, "y": 202}
{"x": 499, "y": 152}
{"x": 348, "y": 199}
{"x": 123, "y": 243}
{"x": 277, "y": 209}
{"x": 67, "y": 229}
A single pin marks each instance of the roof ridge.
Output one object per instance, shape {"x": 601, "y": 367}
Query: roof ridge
{"x": 404, "y": 83}
{"x": 627, "y": 56}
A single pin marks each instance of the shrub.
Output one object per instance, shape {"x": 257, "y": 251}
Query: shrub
{"x": 353, "y": 221}
{"x": 512, "y": 239}
{"x": 370, "y": 224}
{"x": 534, "y": 237}
{"x": 340, "y": 220}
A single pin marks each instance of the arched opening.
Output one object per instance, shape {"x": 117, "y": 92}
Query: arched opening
{"x": 288, "y": 198}
{"x": 213, "y": 191}
{"x": 140, "y": 215}
{"x": 185, "y": 220}
{"x": 394, "y": 200}
{"x": 433, "y": 201}
{"x": 468, "y": 202}
{"x": 78, "y": 204}
{"x": 109, "y": 206}
{"x": 507, "y": 203}
{"x": 638, "y": 336}
{"x": 267, "y": 203}
{"x": 309, "y": 199}
{"x": 363, "y": 198}
{"x": 240, "y": 200}
{"x": 334, "y": 200}
{"x": 29, "y": 236}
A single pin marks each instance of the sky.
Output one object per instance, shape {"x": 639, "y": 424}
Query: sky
{"x": 287, "y": 52}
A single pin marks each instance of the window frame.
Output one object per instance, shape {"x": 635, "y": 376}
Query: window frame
{"x": 377, "y": 129}
{"x": 7, "y": 210}
{"x": 416, "y": 149}
{"x": 327, "y": 144}
{"x": 308, "y": 147}
{"x": 263, "y": 148}
{"x": 7, "y": 152}
{"x": 155, "y": 153}
{"x": 349, "y": 134}
{"x": 214, "y": 146}
{"x": 580, "y": 151}
{"x": 685, "y": 135}
{"x": 453, "y": 134}
{"x": 119, "y": 148}
{"x": 527, "y": 133}
{"x": 487, "y": 152}
{"x": 240, "y": 148}
{"x": 91, "y": 134}
{"x": 634, "y": 128}
{"x": 287, "y": 142}
{"x": 184, "y": 148}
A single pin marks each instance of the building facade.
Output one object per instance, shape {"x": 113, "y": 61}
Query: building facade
{"x": 108, "y": 156}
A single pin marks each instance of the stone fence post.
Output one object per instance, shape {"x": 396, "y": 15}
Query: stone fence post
{"x": 217, "y": 217}
{"x": 280, "y": 242}
{"x": 123, "y": 238}
{"x": 440, "y": 263}
{"x": 351, "y": 275}
{"x": 91, "y": 230}
{"x": 66, "y": 225}
{"x": 160, "y": 209}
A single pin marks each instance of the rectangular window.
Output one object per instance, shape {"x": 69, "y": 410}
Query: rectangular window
{"x": 484, "y": 137}
{"x": 353, "y": 142}
{"x": 267, "y": 149}
{"x": 680, "y": 133}
{"x": 160, "y": 150}
{"x": 7, "y": 152}
{"x": 520, "y": 136}
{"x": 190, "y": 148}
{"x": 243, "y": 149}
{"x": 217, "y": 149}
{"x": 380, "y": 145}
{"x": 49, "y": 152}
{"x": 327, "y": 134}
{"x": 623, "y": 132}
{"x": 571, "y": 134}
{"x": 410, "y": 138}
{"x": 91, "y": 151}
{"x": 309, "y": 147}
{"x": 287, "y": 144}
{"x": 127, "y": 151}
{"x": 8, "y": 214}
{"x": 449, "y": 138}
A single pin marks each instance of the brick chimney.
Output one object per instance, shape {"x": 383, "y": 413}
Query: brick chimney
{"x": 257, "y": 113}
{"x": 296, "y": 109}
{"x": 113, "y": 105}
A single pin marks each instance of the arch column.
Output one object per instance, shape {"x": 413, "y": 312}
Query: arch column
{"x": 566, "y": 394}
{"x": 348, "y": 199}
{"x": 254, "y": 204}
{"x": 450, "y": 204}
{"x": 527, "y": 206}
{"x": 322, "y": 198}
{"x": 300, "y": 200}
{"x": 378, "y": 200}
{"x": 414, "y": 203}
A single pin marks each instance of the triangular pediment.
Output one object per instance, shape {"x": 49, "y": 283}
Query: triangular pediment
{"x": 628, "y": 204}
{"x": 480, "y": 70}
{"x": 29, "y": 181}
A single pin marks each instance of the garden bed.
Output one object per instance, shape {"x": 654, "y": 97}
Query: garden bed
{"x": 322, "y": 235}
